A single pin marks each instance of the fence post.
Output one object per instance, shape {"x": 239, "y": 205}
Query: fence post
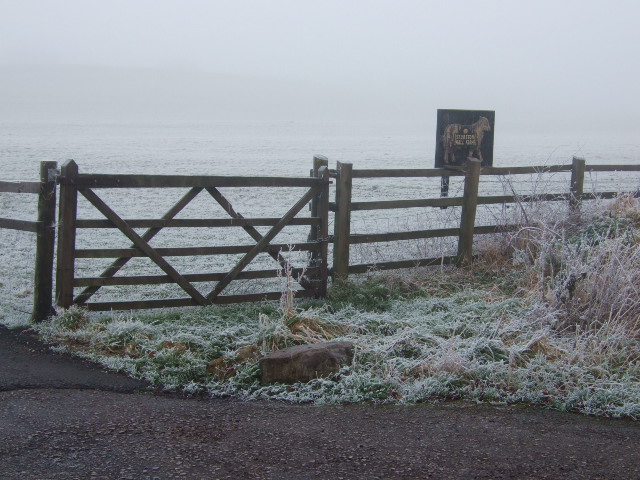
{"x": 342, "y": 222}
{"x": 577, "y": 183}
{"x": 45, "y": 244}
{"x": 318, "y": 259}
{"x": 468, "y": 216}
{"x": 323, "y": 213}
{"x": 318, "y": 162}
{"x": 66, "y": 234}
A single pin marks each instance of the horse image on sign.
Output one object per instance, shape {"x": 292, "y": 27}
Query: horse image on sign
{"x": 467, "y": 137}
{"x": 463, "y": 134}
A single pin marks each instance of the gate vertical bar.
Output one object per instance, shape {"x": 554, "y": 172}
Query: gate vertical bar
{"x": 577, "y": 183}
{"x": 66, "y": 234}
{"x": 342, "y": 223}
{"x": 323, "y": 213}
{"x": 319, "y": 161}
{"x": 468, "y": 216}
{"x": 45, "y": 244}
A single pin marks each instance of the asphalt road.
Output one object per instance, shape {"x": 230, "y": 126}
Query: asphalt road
{"x": 61, "y": 418}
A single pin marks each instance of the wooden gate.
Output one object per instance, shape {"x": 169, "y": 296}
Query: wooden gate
{"x": 313, "y": 283}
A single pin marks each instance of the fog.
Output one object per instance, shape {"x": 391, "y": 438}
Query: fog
{"x": 541, "y": 66}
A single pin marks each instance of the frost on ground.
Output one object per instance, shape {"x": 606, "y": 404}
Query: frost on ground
{"x": 460, "y": 346}
{"x": 17, "y": 256}
{"x": 548, "y": 317}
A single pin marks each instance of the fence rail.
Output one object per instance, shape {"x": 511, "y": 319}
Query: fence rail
{"x": 19, "y": 187}
{"x": 182, "y": 181}
{"x": 460, "y": 171}
{"x": 343, "y": 206}
{"x": 314, "y": 283}
{"x": 191, "y": 277}
{"x": 188, "y": 251}
{"x": 189, "y": 302}
{"x": 22, "y": 225}
{"x": 198, "y": 222}
{"x": 44, "y": 228}
{"x": 456, "y": 171}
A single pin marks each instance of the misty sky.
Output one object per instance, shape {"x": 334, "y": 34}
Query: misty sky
{"x": 567, "y": 61}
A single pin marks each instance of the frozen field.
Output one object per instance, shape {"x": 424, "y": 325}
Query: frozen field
{"x": 272, "y": 149}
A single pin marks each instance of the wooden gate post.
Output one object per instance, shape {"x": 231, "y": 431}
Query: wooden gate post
{"x": 66, "y": 234}
{"x": 45, "y": 242}
{"x": 577, "y": 183}
{"x": 342, "y": 222}
{"x": 319, "y": 161}
{"x": 468, "y": 216}
{"x": 323, "y": 213}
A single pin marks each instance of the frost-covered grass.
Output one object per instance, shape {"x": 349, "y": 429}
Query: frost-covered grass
{"x": 469, "y": 344}
{"x": 547, "y": 316}
{"x": 512, "y": 328}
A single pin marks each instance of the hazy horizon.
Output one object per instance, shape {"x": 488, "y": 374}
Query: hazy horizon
{"x": 548, "y": 67}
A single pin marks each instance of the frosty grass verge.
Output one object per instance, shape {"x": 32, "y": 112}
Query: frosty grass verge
{"x": 548, "y": 317}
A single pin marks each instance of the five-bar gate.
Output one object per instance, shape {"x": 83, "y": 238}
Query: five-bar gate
{"x": 73, "y": 183}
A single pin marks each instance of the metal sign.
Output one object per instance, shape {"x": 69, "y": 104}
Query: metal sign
{"x": 461, "y": 134}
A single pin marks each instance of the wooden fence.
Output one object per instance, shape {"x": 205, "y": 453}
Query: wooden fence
{"x": 472, "y": 173}
{"x": 316, "y": 193}
{"x": 44, "y": 228}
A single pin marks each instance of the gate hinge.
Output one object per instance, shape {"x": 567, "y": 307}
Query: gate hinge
{"x": 52, "y": 174}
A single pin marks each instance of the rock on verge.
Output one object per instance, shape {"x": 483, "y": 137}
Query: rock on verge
{"x": 305, "y": 362}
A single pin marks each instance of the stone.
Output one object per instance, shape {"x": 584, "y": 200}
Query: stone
{"x": 305, "y": 362}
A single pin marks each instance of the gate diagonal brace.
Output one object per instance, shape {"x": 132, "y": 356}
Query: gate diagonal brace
{"x": 253, "y": 232}
{"x": 143, "y": 245}
{"x": 263, "y": 243}
{"x": 117, "y": 264}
